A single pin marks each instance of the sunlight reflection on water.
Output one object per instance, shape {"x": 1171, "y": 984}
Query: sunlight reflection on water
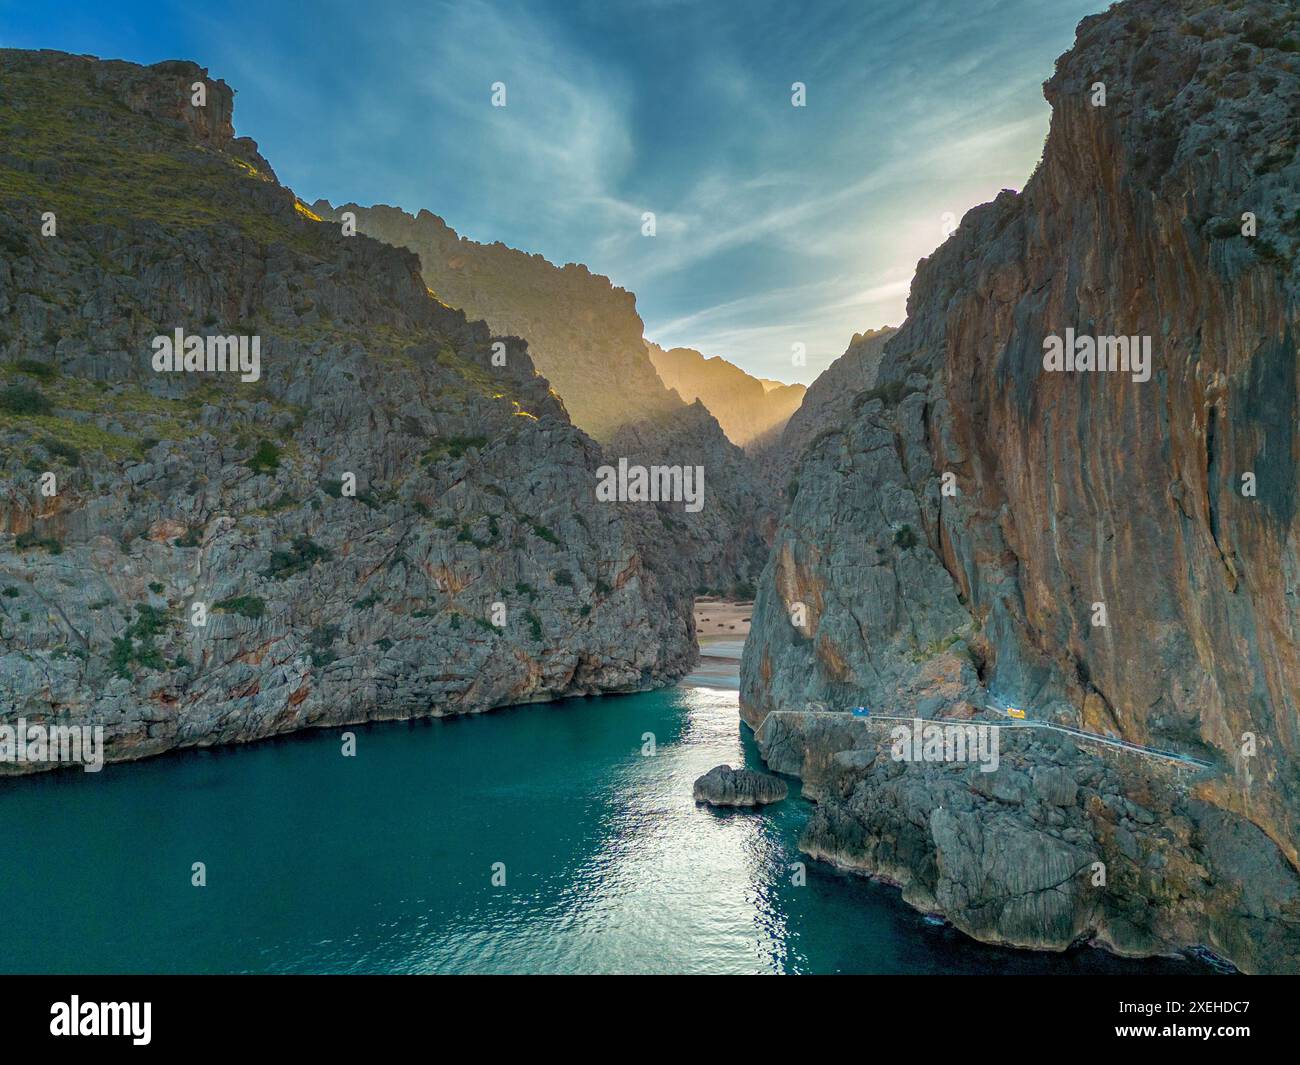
{"x": 383, "y": 862}
{"x": 668, "y": 885}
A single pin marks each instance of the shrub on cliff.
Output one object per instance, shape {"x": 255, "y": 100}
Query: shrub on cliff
{"x": 246, "y": 606}
{"x": 71, "y": 455}
{"x": 19, "y": 399}
{"x": 33, "y": 368}
{"x": 29, "y": 539}
{"x": 304, "y": 554}
{"x": 265, "y": 459}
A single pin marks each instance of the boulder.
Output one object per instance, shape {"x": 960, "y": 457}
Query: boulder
{"x": 724, "y": 786}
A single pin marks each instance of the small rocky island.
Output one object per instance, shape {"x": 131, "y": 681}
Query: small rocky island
{"x": 724, "y": 786}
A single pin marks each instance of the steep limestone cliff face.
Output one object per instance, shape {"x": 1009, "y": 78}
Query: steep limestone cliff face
{"x": 1075, "y": 489}
{"x": 583, "y": 332}
{"x": 826, "y": 406}
{"x": 1012, "y": 856}
{"x": 585, "y": 335}
{"x": 829, "y": 399}
{"x": 721, "y": 548}
{"x": 179, "y": 488}
{"x": 748, "y": 409}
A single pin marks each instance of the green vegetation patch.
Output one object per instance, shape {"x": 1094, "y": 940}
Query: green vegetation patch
{"x": 25, "y": 541}
{"x": 333, "y": 486}
{"x": 136, "y": 645}
{"x": 118, "y": 167}
{"x": 62, "y": 449}
{"x": 81, "y": 405}
{"x": 535, "y": 624}
{"x": 44, "y": 370}
{"x": 302, "y": 555}
{"x": 246, "y": 606}
{"x": 24, "y": 401}
{"x": 320, "y": 639}
{"x": 266, "y": 459}
{"x": 453, "y": 447}
{"x": 542, "y": 532}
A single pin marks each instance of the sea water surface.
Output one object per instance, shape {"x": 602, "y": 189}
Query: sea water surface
{"x": 384, "y": 862}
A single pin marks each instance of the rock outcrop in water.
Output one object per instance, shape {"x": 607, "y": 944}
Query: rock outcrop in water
{"x": 749, "y": 410}
{"x": 586, "y": 336}
{"x": 1164, "y": 508}
{"x": 724, "y": 786}
{"x": 381, "y": 525}
{"x": 1065, "y": 842}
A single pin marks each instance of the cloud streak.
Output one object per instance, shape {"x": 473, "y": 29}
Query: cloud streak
{"x": 775, "y": 224}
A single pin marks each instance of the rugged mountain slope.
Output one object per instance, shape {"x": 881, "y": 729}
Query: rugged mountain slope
{"x": 746, "y": 408}
{"x": 583, "y": 332}
{"x": 825, "y": 407}
{"x": 1077, "y": 489}
{"x": 830, "y": 397}
{"x": 586, "y": 337}
{"x": 176, "y": 488}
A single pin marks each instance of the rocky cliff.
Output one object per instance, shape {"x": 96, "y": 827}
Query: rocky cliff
{"x": 748, "y": 409}
{"x": 1108, "y": 551}
{"x": 825, "y": 407}
{"x": 586, "y": 336}
{"x": 379, "y": 523}
{"x": 829, "y": 399}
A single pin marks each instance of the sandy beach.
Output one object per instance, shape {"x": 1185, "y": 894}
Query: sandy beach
{"x": 721, "y": 626}
{"x": 722, "y": 617}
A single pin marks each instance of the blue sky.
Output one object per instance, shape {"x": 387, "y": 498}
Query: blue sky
{"x": 775, "y": 224}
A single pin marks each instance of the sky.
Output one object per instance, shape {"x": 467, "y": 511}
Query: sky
{"x": 775, "y": 225}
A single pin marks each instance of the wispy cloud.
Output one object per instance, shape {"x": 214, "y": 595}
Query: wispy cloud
{"x": 769, "y": 324}
{"x": 775, "y": 225}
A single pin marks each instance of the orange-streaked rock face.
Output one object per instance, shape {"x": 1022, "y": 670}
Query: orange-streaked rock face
{"x": 1119, "y": 554}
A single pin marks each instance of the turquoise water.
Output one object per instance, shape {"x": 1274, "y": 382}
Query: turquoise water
{"x": 383, "y": 862}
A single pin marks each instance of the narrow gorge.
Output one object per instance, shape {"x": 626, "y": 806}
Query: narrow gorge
{"x": 585, "y": 335}
{"x": 395, "y": 513}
